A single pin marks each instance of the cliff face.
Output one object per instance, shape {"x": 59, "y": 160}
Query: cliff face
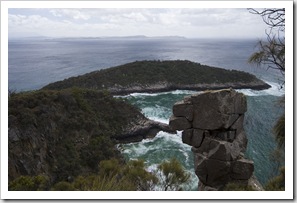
{"x": 212, "y": 123}
{"x": 65, "y": 133}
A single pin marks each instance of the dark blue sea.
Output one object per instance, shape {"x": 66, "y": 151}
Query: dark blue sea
{"x": 33, "y": 64}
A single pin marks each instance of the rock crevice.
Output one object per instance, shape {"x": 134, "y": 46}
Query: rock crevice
{"x": 212, "y": 123}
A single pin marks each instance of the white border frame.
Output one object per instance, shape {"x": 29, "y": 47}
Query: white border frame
{"x": 5, "y": 194}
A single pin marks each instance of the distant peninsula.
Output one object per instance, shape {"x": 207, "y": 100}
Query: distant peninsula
{"x": 161, "y": 76}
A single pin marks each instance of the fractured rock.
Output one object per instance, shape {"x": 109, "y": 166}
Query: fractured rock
{"x": 238, "y": 124}
{"x": 197, "y": 138}
{"x": 184, "y": 109}
{"x": 235, "y": 150}
{"x": 220, "y": 152}
{"x": 179, "y": 123}
{"x": 242, "y": 169}
{"x": 213, "y": 173}
{"x": 241, "y": 140}
{"x": 212, "y": 123}
{"x": 218, "y": 173}
{"x": 187, "y": 136}
{"x": 193, "y": 137}
{"x": 217, "y": 109}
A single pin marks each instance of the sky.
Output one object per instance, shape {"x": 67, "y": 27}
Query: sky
{"x": 101, "y": 22}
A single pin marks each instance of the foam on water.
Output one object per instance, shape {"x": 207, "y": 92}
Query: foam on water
{"x": 274, "y": 90}
{"x": 163, "y": 146}
{"x": 183, "y": 92}
{"x": 156, "y": 113}
{"x": 175, "y": 92}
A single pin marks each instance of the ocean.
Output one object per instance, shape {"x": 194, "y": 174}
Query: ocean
{"x": 33, "y": 64}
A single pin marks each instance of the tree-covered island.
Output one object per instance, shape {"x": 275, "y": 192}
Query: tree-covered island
{"x": 160, "y": 76}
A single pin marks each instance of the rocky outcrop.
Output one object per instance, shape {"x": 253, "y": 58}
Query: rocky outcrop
{"x": 144, "y": 128}
{"x": 212, "y": 123}
{"x": 166, "y": 87}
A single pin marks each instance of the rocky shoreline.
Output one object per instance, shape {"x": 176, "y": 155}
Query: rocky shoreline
{"x": 143, "y": 129}
{"x": 149, "y": 128}
{"x": 165, "y": 87}
{"x": 146, "y": 128}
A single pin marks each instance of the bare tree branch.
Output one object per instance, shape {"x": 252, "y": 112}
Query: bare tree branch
{"x": 272, "y": 17}
{"x": 271, "y": 52}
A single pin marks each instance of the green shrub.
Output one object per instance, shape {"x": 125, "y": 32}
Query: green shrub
{"x": 173, "y": 175}
{"x": 99, "y": 148}
{"x": 109, "y": 167}
{"x": 63, "y": 186}
{"x": 135, "y": 173}
{"x": 30, "y": 183}
{"x": 277, "y": 183}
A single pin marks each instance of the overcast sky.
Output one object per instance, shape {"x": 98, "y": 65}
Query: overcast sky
{"x": 192, "y": 23}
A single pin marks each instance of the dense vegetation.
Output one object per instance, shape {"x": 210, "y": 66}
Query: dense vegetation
{"x": 148, "y": 73}
{"x": 64, "y": 133}
{"x": 66, "y": 140}
{"x": 112, "y": 176}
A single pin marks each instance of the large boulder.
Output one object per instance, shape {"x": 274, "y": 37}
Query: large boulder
{"x": 212, "y": 123}
{"x": 217, "y": 109}
{"x": 212, "y": 172}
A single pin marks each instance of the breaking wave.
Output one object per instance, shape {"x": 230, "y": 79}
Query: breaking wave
{"x": 274, "y": 90}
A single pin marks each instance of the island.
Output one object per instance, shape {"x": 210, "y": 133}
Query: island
{"x": 161, "y": 76}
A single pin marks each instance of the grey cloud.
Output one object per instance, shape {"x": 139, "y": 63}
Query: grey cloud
{"x": 194, "y": 22}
